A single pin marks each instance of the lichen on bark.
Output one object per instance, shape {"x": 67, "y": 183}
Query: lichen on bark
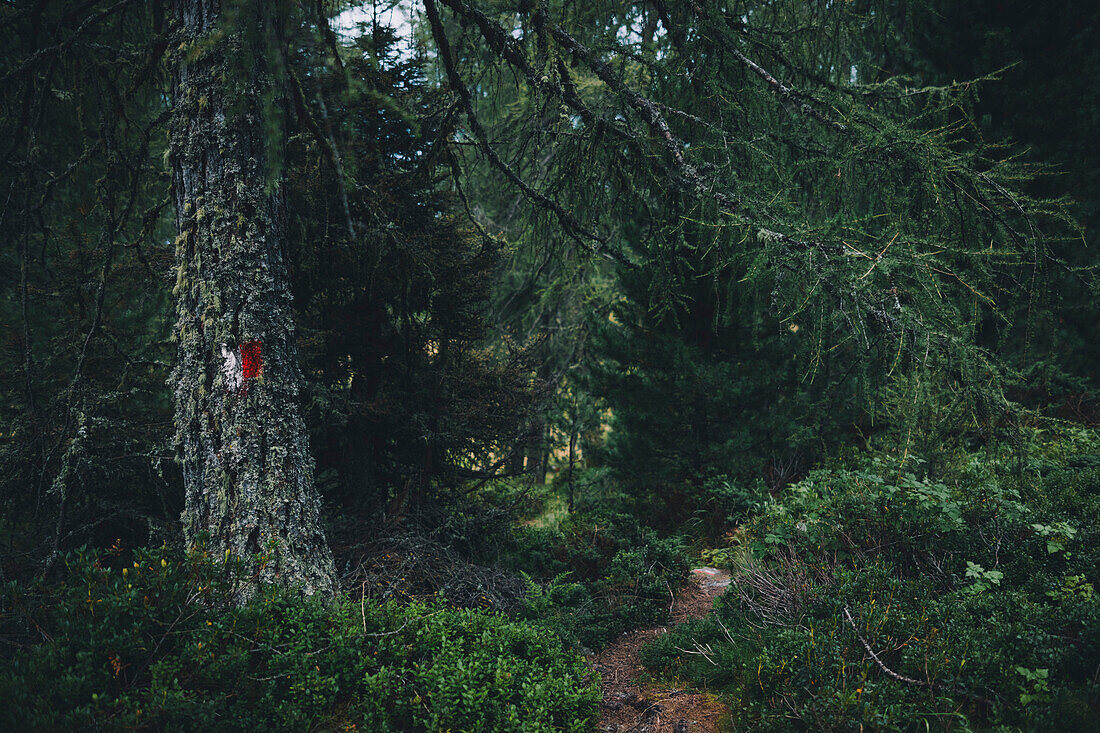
{"x": 247, "y": 468}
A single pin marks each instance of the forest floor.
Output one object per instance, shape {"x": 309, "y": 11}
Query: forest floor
{"x": 634, "y": 704}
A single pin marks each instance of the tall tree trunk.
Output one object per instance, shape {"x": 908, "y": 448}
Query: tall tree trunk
{"x": 247, "y": 468}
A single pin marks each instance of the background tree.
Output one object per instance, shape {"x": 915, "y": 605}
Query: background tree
{"x": 84, "y": 310}
{"x": 409, "y": 396}
{"x": 732, "y": 163}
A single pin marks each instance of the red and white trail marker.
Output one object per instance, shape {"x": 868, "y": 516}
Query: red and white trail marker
{"x": 241, "y": 364}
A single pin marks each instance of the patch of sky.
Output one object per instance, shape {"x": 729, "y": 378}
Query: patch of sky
{"x": 396, "y": 14}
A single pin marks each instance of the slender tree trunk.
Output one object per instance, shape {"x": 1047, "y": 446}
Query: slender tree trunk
{"x": 247, "y": 468}
{"x": 572, "y": 458}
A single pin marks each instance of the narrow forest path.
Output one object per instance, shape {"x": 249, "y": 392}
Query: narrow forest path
{"x": 630, "y": 705}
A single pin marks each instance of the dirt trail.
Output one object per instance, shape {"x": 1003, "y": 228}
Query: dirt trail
{"x": 629, "y": 706}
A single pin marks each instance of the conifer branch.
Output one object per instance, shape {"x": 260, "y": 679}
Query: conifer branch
{"x": 65, "y": 44}
{"x": 590, "y": 240}
{"x": 785, "y": 91}
{"x": 647, "y": 109}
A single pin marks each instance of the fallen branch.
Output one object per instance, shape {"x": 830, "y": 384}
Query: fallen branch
{"x": 903, "y": 678}
{"x": 883, "y": 667}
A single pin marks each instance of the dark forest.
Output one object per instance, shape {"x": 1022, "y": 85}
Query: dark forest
{"x": 538, "y": 365}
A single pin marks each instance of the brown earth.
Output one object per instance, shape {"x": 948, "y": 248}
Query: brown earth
{"x": 630, "y": 705}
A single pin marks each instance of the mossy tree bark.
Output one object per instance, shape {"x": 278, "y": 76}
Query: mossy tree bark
{"x": 247, "y": 467}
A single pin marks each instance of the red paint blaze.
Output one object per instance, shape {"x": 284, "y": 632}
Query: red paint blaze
{"x": 252, "y": 360}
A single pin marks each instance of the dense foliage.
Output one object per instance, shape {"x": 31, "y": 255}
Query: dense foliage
{"x": 154, "y": 643}
{"x": 881, "y": 593}
{"x": 604, "y": 572}
{"x": 582, "y": 293}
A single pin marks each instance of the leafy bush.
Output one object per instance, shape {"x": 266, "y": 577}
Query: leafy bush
{"x": 885, "y": 597}
{"x": 155, "y": 644}
{"x": 603, "y": 572}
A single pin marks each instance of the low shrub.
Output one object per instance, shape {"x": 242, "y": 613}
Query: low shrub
{"x": 154, "y": 643}
{"x": 601, "y": 573}
{"x": 881, "y": 597}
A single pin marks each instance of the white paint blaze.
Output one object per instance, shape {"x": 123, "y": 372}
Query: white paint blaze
{"x": 232, "y": 368}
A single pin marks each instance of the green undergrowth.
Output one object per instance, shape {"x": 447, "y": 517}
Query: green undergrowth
{"x": 974, "y": 585}
{"x": 598, "y": 571}
{"x": 153, "y": 642}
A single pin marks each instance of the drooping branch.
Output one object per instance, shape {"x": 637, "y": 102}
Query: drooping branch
{"x": 574, "y": 228}
{"x": 509, "y": 49}
{"x": 806, "y": 105}
{"x": 649, "y": 129}
{"x": 499, "y": 42}
{"x": 785, "y": 91}
{"x": 649, "y": 112}
{"x": 683, "y": 174}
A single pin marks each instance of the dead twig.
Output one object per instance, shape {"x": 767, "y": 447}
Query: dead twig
{"x": 883, "y": 667}
{"x": 902, "y": 678}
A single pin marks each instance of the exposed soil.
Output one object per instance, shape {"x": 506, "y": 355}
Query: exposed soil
{"x": 629, "y": 705}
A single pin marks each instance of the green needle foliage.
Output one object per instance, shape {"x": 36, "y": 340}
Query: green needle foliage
{"x": 792, "y": 232}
